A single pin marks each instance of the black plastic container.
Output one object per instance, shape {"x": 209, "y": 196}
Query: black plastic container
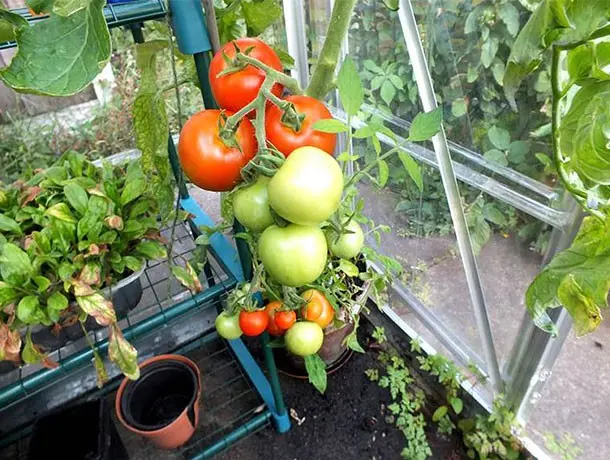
{"x": 80, "y": 432}
{"x": 160, "y": 395}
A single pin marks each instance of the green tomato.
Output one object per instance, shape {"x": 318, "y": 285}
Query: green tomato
{"x": 293, "y": 255}
{"x": 307, "y": 188}
{"x": 228, "y": 326}
{"x": 251, "y": 206}
{"x": 348, "y": 245}
{"x": 304, "y": 338}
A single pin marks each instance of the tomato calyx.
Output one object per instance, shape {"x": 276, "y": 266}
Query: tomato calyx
{"x": 227, "y": 133}
{"x": 292, "y": 118}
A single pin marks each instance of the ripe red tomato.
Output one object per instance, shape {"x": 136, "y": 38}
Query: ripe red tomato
{"x": 236, "y": 90}
{"x": 317, "y": 309}
{"x": 272, "y": 327}
{"x": 285, "y": 319}
{"x": 253, "y": 323}
{"x": 206, "y": 160}
{"x": 286, "y": 139}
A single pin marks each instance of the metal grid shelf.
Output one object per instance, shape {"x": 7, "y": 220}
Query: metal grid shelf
{"x": 166, "y": 317}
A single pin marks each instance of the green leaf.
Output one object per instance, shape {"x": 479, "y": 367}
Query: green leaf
{"x": 7, "y": 293}
{"x": 457, "y": 404}
{"x": 349, "y": 268}
{"x": 351, "y": 341}
{"x": 15, "y": 265}
{"x": 91, "y": 274}
{"x": 40, "y": 6}
{"x": 391, "y": 4}
{"x": 31, "y": 354}
{"x": 57, "y": 302}
{"x": 580, "y": 61}
{"x": 384, "y": 173}
{"x": 577, "y": 278}
{"x": 498, "y": 71}
{"x": 151, "y": 250}
{"x": 510, "y": 16}
{"x": 133, "y": 263}
{"x": 499, "y": 137}
{"x": 496, "y": 156}
{"x": 60, "y": 56}
{"x": 133, "y": 190}
{"x": 396, "y": 81}
{"x": 439, "y": 413}
{"x": 27, "y": 309}
{"x": 97, "y": 306}
{"x": 493, "y": 214}
{"x": 285, "y": 58}
{"x": 316, "y": 371}
{"x": 69, "y": 7}
{"x": 364, "y": 132}
{"x": 62, "y": 212}
{"x": 65, "y": 271}
{"x": 187, "y": 277}
{"x": 122, "y": 353}
{"x": 413, "y": 169}
{"x": 330, "y": 126}
{"x": 525, "y": 53}
{"x": 489, "y": 51}
{"x": 351, "y": 92}
{"x": 10, "y": 23}
{"x": 425, "y": 125}
{"x": 260, "y": 15}
{"x": 9, "y": 225}
{"x": 517, "y": 151}
{"x": 388, "y": 91}
{"x": 42, "y": 282}
{"x": 459, "y": 108}
{"x": 77, "y": 197}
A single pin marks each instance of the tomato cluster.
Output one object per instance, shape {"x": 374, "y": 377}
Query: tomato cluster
{"x": 304, "y": 192}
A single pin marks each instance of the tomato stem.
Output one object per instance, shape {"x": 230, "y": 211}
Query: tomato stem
{"x": 278, "y": 77}
{"x": 359, "y": 174}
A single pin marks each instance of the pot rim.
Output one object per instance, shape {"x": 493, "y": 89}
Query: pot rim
{"x": 142, "y": 365}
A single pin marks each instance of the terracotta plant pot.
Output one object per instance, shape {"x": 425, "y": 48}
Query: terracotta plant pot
{"x": 163, "y": 404}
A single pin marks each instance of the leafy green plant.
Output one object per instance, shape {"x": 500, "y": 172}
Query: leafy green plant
{"x": 576, "y": 34}
{"x": 566, "y": 447}
{"x": 67, "y": 233}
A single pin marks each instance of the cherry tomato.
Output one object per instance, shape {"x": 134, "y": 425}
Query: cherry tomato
{"x": 317, "y": 309}
{"x": 347, "y": 245}
{"x": 228, "y": 326}
{"x": 206, "y": 160}
{"x": 253, "y": 323}
{"x": 272, "y": 310}
{"x": 235, "y": 90}
{"x": 307, "y": 188}
{"x": 285, "y": 319}
{"x": 286, "y": 139}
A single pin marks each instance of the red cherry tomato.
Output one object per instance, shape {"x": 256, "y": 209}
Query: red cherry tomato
{"x": 285, "y": 319}
{"x": 286, "y": 139}
{"x": 206, "y": 160}
{"x": 272, "y": 327}
{"x": 253, "y": 323}
{"x": 235, "y": 90}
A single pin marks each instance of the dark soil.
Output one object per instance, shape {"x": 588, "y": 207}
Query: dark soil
{"x": 348, "y": 422}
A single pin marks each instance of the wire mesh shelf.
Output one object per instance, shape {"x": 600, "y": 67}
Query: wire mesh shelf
{"x": 166, "y": 317}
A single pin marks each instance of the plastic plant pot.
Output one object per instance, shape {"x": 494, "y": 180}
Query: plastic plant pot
{"x": 97, "y": 437}
{"x": 163, "y": 404}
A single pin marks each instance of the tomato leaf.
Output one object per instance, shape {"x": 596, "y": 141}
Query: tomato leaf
{"x": 425, "y": 125}
{"x": 69, "y": 7}
{"x": 122, "y": 353}
{"x": 69, "y": 52}
{"x": 260, "y": 15}
{"x": 349, "y": 268}
{"x": 316, "y": 371}
{"x": 413, "y": 169}
{"x": 10, "y": 23}
{"x": 391, "y": 4}
{"x": 351, "y": 341}
{"x": 384, "y": 173}
{"x": 351, "y": 92}
{"x": 330, "y": 126}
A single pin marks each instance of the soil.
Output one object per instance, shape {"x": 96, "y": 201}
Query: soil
{"x": 348, "y": 422}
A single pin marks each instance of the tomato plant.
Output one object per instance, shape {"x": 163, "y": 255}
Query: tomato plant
{"x": 228, "y": 326}
{"x": 253, "y": 323}
{"x": 293, "y": 255}
{"x": 206, "y": 159}
{"x": 317, "y": 309}
{"x": 346, "y": 245}
{"x": 293, "y": 128}
{"x": 307, "y": 188}
{"x": 251, "y": 206}
{"x": 285, "y": 319}
{"x": 235, "y": 90}
{"x": 305, "y": 338}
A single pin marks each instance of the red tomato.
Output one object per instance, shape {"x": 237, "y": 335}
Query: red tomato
{"x": 317, "y": 309}
{"x": 206, "y": 160}
{"x": 253, "y": 323}
{"x": 272, "y": 327}
{"x": 285, "y": 319}
{"x": 286, "y": 139}
{"x": 236, "y": 90}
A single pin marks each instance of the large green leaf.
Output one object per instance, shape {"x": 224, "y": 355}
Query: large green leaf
{"x": 577, "y": 278}
{"x": 316, "y": 370}
{"x": 260, "y": 15}
{"x": 425, "y": 125}
{"x": 69, "y": 7}
{"x": 351, "y": 92}
{"x": 15, "y": 265}
{"x": 60, "y": 56}
{"x": 9, "y": 24}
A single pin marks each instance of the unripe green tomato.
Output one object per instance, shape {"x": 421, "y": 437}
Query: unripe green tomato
{"x": 251, "y": 206}
{"x": 228, "y": 326}
{"x": 348, "y": 245}
{"x": 304, "y": 338}
{"x": 307, "y": 188}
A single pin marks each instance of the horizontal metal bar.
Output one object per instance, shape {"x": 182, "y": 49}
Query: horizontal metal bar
{"x": 507, "y": 173}
{"x": 542, "y": 212}
{"x": 116, "y": 15}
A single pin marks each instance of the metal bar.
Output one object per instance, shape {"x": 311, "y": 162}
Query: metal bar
{"x": 294, "y": 19}
{"x": 202, "y": 64}
{"x": 426, "y": 91}
{"x": 234, "y": 436}
{"x": 210, "y": 19}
